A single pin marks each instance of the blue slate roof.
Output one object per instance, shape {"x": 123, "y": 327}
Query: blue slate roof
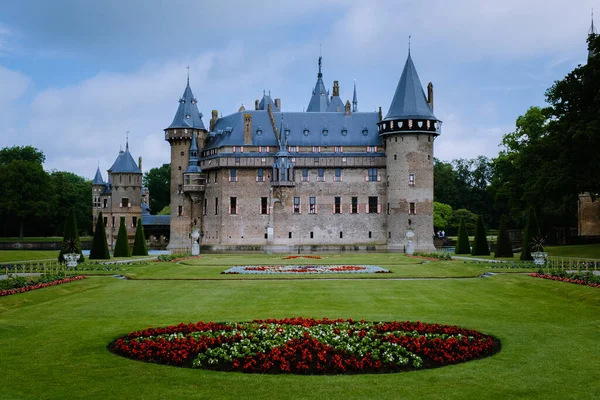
{"x": 145, "y": 209}
{"x": 98, "y": 178}
{"x": 265, "y": 101}
{"x": 305, "y": 129}
{"x": 319, "y": 100}
{"x": 193, "y": 163}
{"x": 156, "y": 220}
{"x": 187, "y": 115}
{"x": 409, "y": 100}
{"x": 124, "y": 163}
{"x": 336, "y": 105}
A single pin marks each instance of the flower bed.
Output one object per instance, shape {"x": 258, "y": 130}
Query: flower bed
{"x": 175, "y": 257}
{"x": 305, "y": 269}
{"x": 307, "y": 346}
{"x": 581, "y": 279}
{"x": 303, "y": 257}
{"x": 34, "y": 286}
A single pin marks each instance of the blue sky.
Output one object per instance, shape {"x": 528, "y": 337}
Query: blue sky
{"x": 76, "y": 75}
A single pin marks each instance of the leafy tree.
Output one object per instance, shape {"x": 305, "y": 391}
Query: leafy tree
{"x": 140, "y": 248}
{"x": 531, "y": 231}
{"x": 72, "y": 191}
{"x": 480, "y": 243}
{"x": 470, "y": 220}
{"x": 158, "y": 182}
{"x": 462, "y": 243}
{"x": 71, "y": 241}
{"x": 442, "y": 213}
{"x": 22, "y": 153}
{"x": 122, "y": 245}
{"x": 27, "y": 193}
{"x": 165, "y": 211}
{"x": 99, "y": 249}
{"x": 503, "y": 246}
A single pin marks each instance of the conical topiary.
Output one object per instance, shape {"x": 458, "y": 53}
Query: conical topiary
{"x": 462, "y": 242}
{"x": 122, "y": 245}
{"x": 528, "y": 235}
{"x": 503, "y": 246}
{"x": 71, "y": 242}
{"x": 99, "y": 249}
{"x": 480, "y": 243}
{"x": 139, "y": 245}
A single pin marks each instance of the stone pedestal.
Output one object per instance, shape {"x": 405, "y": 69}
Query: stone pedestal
{"x": 195, "y": 244}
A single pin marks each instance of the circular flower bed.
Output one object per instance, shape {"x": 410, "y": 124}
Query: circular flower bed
{"x": 307, "y": 346}
{"x": 305, "y": 269}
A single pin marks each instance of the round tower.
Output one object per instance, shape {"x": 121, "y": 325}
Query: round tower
{"x": 185, "y": 210}
{"x": 408, "y": 132}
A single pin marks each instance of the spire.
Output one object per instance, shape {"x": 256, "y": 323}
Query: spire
{"x": 193, "y": 163}
{"x": 354, "y": 99}
{"x": 409, "y": 100}
{"x": 98, "y": 178}
{"x": 187, "y": 115}
{"x": 320, "y": 97}
{"x": 592, "y": 30}
{"x": 127, "y": 141}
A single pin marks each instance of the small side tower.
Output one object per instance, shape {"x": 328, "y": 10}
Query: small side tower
{"x": 187, "y": 124}
{"x": 408, "y": 132}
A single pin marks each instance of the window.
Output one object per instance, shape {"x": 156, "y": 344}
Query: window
{"x": 354, "y": 207}
{"x": 388, "y": 208}
{"x": 289, "y": 235}
{"x": 182, "y": 154}
{"x": 129, "y": 178}
{"x": 133, "y": 222}
{"x": 216, "y": 206}
{"x": 113, "y": 222}
{"x": 124, "y": 202}
{"x": 341, "y": 235}
{"x": 233, "y": 205}
{"x": 321, "y": 176}
{"x": 180, "y": 211}
{"x": 395, "y": 157}
{"x": 312, "y": 205}
{"x": 259, "y": 176}
{"x": 264, "y": 205}
{"x": 105, "y": 205}
{"x": 372, "y": 176}
{"x": 411, "y": 179}
{"x": 106, "y": 222}
{"x": 208, "y": 177}
{"x": 232, "y": 175}
{"x": 216, "y": 175}
{"x": 371, "y": 149}
{"x": 312, "y": 235}
{"x": 372, "y": 206}
{"x": 338, "y": 175}
{"x": 316, "y": 149}
{"x": 187, "y": 179}
{"x": 263, "y": 149}
{"x": 179, "y": 189}
{"x": 297, "y": 205}
{"x": 411, "y": 208}
{"x": 370, "y": 234}
{"x": 205, "y": 208}
{"x": 337, "y": 205}
{"x": 293, "y": 149}
{"x": 238, "y": 149}
{"x": 305, "y": 177}
{"x": 338, "y": 149}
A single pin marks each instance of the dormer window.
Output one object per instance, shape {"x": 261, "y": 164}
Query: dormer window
{"x": 306, "y": 131}
{"x": 325, "y": 131}
{"x": 258, "y": 131}
{"x": 365, "y": 131}
{"x": 187, "y": 116}
{"x": 287, "y": 132}
{"x": 344, "y": 131}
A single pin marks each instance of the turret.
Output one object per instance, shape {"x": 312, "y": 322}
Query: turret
{"x": 319, "y": 101}
{"x": 283, "y": 168}
{"x": 408, "y": 131}
{"x": 591, "y": 33}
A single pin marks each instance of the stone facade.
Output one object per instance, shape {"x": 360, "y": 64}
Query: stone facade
{"x": 588, "y": 215}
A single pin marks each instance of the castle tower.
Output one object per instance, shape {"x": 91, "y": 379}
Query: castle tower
{"x": 319, "y": 100}
{"x": 187, "y": 124}
{"x": 408, "y": 132}
{"x": 99, "y": 188}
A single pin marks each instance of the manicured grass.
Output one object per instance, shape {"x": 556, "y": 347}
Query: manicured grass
{"x": 579, "y": 251}
{"x": 53, "y": 341}
{"x": 28, "y": 255}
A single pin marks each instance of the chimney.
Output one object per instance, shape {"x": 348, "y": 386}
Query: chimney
{"x": 380, "y": 114}
{"x": 140, "y": 163}
{"x": 213, "y": 120}
{"x": 278, "y": 104}
{"x": 336, "y": 89}
{"x": 247, "y": 128}
{"x": 347, "y": 108}
{"x": 430, "y": 95}
{"x": 256, "y": 104}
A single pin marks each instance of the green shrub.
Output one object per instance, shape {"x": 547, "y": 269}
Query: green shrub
{"x": 503, "y": 246}
{"x": 480, "y": 244}
{"x": 99, "y": 249}
{"x": 531, "y": 230}
{"x": 444, "y": 256}
{"x": 462, "y": 243}
{"x": 140, "y": 248}
{"x": 71, "y": 242}
{"x": 122, "y": 245}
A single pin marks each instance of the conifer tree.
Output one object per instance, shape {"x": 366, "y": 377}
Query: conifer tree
{"x": 462, "y": 242}
{"x": 122, "y": 245}
{"x": 71, "y": 241}
{"x": 480, "y": 243}
{"x": 530, "y": 231}
{"x": 99, "y": 249}
{"x": 139, "y": 245}
{"x": 503, "y": 246}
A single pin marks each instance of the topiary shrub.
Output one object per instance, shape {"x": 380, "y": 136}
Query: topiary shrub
{"x": 462, "y": 243}
{"x": 139, "y": 245}
{"x": 71, "y": 242}
{"x": 480, "y": 243}
{"x": 99, "y": 249}
{"x": 528, "y": 235}
{"x": 503, "y": 246}
{"x": 122, "y": 245}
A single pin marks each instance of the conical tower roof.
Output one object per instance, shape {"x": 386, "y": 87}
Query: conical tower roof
{"x": 125, "y": 164}
{"x": 187, "y": 115}
{"x": 409, "y": 101}
{"x": 98, "y": 178}
{"x": 320, "y": 97}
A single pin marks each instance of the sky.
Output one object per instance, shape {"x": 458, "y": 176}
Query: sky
{"x": 77, "y": 75}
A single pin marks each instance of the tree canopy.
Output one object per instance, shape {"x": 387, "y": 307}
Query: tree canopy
{"x": 158, "y": 182}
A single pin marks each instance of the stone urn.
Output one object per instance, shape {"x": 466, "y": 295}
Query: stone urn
{"x": 71, "y": 259}
{"x": 410, "y": 246}
{"x": 539, "y": 257}
{"x": 195, "y": 244}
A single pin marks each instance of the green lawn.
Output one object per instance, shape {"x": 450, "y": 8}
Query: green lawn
{"x": 28, "y": 255}
{"x": 580, "y": 251}
{"x": 53, "y": 341}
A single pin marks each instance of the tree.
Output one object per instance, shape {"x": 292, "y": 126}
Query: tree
{"x": 122, "y": 245}
{"x": 158, "y": 182}
{"x": 470, "y": 220}
{"x": 27, "y": 193}
{"x": 72, "y": 191}
{"x": 480, "y": 243}
{"x": 503, "y": 246}
{"x": 462, "y": 243}
{"x": 165, "y": 211}
{"x": 71, "y": 242}
{"x": 99, "y": 249}
{"x": 22, "y": 153}
{"x": 140, "y": 248}
{"x": 531, "y": 231}
{"x": 442, "y": 214}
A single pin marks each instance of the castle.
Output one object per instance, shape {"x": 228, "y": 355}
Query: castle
{"x": 331, "y": 177}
